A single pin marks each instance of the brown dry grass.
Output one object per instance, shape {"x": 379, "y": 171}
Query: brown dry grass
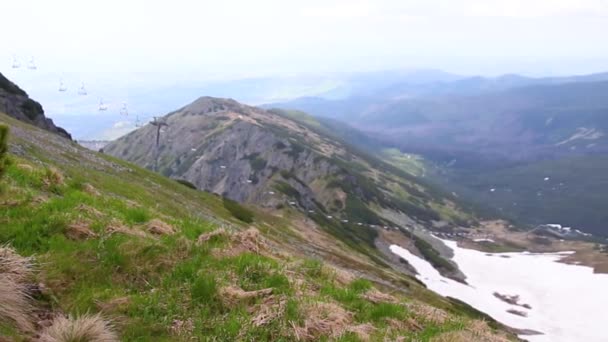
{"x": 89, "y": 210}
{"x": 159, "y": 227}
{"x": 53, "y": 177}
{"x": 25, "y": 167}
{"x": 341, "y": 276}
{"x": 429, "y": 313}
{"x": 15, "y": 302}
{"x": 91, "y": 190}
{"x": 182, "y": 327}
{"x": 85, "y": 328}
{"x": 249, "y": 240}
{"x": 14, "y": 266}
{"x": 208, "y": 236}
{"x": 270, "y": 309}
{"x": 323, "y": 319}
{"x": 408, "y": 324}
{"x": 79, "y": 231}
{"x": 117, "y": 227}
{"x": 376, "y": 297}
{"x": 232, "y": 295}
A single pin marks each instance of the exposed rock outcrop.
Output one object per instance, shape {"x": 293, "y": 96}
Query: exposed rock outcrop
{"x": 15, "y": 102}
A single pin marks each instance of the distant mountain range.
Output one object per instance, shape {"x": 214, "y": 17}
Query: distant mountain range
{"x": 504, "y": 134}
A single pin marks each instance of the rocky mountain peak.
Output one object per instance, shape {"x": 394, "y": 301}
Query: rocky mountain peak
{"x": 15, "y": 102}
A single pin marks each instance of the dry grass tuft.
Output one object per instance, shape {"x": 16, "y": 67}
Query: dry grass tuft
{"x": 323, "y": 319}
{"x": 249, "y": 240}
{"x": 159, "y": 227}
{"x": 25, "y": 167}
{"x": 363, "y": 331}
{"x": 208, "y": 236}
{"x": 79, "y": 231}
{"x": 428, "y": 313}
{"x": 376, "y": 297}
{"x": 232, "y": 295}
{"x": 40, "y": 199}
{"x": 270, "y": 309}
{"x": 15, "y": 304}
{"x": 91, "y": 190}
{"x": 341, "y": 276}
{"x": 52, "y": 177}
{"x": 14, "y": 266}
{"x": 408, "y": 324}
{"x": 182, "y": 328}
{"x": 85, "y": 328}
{"x": 117, "y": 227}
{"x": 89, "y": 210}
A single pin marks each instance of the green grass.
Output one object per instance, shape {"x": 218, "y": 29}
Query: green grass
{"x": 238, "y": 211}
{"x": 163, "y": 278}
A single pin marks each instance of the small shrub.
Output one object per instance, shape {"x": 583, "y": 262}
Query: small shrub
{"x": 238, "y": 211}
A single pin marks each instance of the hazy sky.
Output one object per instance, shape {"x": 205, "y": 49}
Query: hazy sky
{"x": 160, "y": 55}
{"x": 258, "y": 37}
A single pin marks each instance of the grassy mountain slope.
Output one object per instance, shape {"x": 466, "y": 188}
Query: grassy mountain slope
{"x": 277, "y": 160}
{"x": 161, "y": 261}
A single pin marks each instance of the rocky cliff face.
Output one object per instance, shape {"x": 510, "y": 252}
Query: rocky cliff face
{"x": 269, "y": 159}
{"x": 16, "y": 103}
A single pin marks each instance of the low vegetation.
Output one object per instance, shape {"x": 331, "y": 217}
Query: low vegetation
{"x": 95, "y": 249}
{"x": 237, "y": 210}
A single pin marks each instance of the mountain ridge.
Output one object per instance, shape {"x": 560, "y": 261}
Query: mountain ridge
{"x": 15, "y": 102}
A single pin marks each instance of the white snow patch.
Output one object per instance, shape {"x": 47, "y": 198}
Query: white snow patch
{"x": 483, "y": 240}
{"x": 568, "y": 302}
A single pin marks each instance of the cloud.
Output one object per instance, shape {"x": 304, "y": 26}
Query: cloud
{"x": 117, "y": 130}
